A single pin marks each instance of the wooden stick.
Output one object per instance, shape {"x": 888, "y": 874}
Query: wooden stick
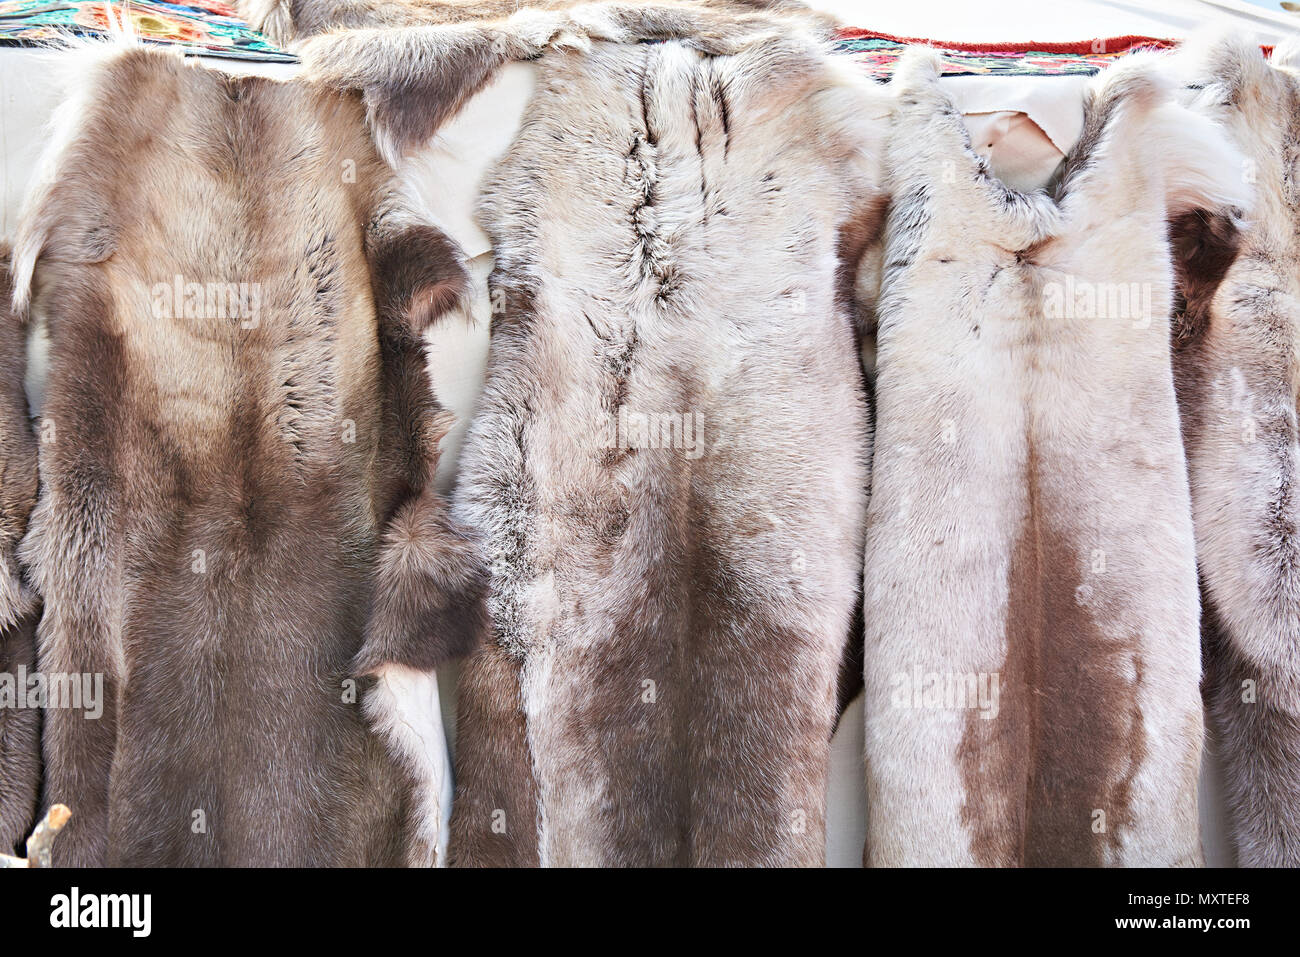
{"x": 40, "y": 844}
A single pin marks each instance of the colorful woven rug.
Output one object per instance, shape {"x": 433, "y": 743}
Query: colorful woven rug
{"x": 877, "y": 53}
{"x": 203, "y": 27}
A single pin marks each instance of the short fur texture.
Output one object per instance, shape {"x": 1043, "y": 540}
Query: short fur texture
{"x": 1029, "y": 519}
{"x": 20, "y": 751}
{"x": 1238, "y": 369}
{"x": 668, "y": 626}
{"x": 232, "y": 499}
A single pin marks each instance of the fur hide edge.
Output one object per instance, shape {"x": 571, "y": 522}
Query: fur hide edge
{"x": 403, "y": 709}
{"x": 18, "y": 472}
{"x": 429, "y": 588}
{"x": 20, "y": 747}
{"x": 1238, "y": 371}
{"x": 414, "y": 79}
{"x": 429, "y": 578}
{"x": 287, "y": 22}
{"x": 20, "y": 742}
{"x": 426, "y": 607}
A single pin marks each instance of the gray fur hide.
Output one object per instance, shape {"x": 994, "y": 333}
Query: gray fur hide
{"x": 669, "y": 461}
{"x": 1238, "y": 372}
{"x": 1031, "y": 608}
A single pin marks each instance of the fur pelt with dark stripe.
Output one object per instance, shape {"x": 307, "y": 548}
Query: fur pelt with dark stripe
{"x": 1029, "y": 521}
{"x": 1238, "y": 370}
{"x": 670, "y": 609}
{"x": 233, "y": 497}
{"x": 20, "y": 752}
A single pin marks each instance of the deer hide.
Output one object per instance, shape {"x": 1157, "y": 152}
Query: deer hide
{"x": 20, "y": 752}
{"x": 1030, "y": 598}
{"x": 1238, "y": 372}
{"x": 668, "y": 463}
{"x": 237, "y": 443}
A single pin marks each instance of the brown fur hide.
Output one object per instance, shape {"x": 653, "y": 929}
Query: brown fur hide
{"x": 1238, "y": 369}
{"x": 20, "y": 762}
{"x": 216, "y": 475}
{"x": 1030, "y": 602}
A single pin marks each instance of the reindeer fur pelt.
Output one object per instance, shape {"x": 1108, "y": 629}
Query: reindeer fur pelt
{"x": 234, "y": 494}
{"x": 1029, "y": 520}
{"x": 670, "y": 601}
{"x": 670, "y": 609}
{"x": 20, "y": 750}
{"x": 1238, "y": 372}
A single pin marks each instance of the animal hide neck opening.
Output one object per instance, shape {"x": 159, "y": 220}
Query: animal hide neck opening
{"x": 414, "y": 78}
{"x": 546, "y": 21}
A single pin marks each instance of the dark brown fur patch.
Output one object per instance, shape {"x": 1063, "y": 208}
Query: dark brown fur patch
{"x": 494, "y": 822}
{"x": 1037, "y": 773}
{"x": 1204, "y": 246}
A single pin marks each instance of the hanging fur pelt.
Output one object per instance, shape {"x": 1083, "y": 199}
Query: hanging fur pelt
{"x": 1238, "y": 371}
{"x": 1030, "y": 598}
{"x": 20, "y": 753}
{"x": 668, "y": 462}
{"x": 236, "y": 443}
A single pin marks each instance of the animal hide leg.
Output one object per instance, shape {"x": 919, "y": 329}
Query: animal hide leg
{"x": 427, "y": 604}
